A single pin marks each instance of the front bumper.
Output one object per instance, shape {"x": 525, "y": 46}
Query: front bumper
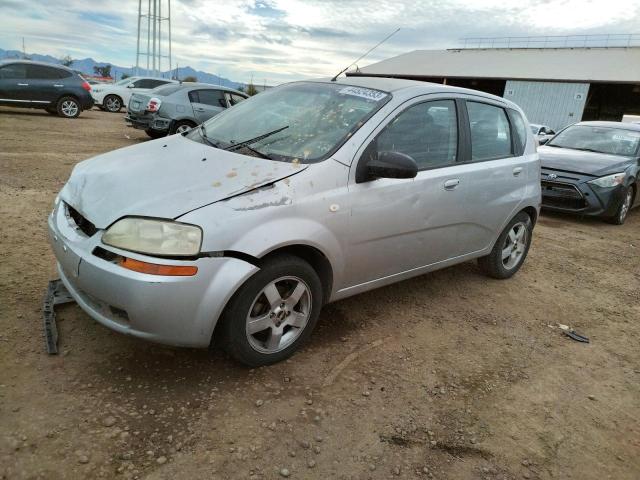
{"x": 572, "y": 193}
{"x": 180, "y": 311}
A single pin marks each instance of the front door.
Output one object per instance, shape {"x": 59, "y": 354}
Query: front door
{"x": 45, "y": 83}
{"x": 14, "y": 87}
{"x": 402, "y": 224}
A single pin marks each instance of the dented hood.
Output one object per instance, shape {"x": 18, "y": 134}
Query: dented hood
{"x": 165, "y": 178}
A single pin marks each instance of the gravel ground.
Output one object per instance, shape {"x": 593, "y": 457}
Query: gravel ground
{"x": 448, "y": 376}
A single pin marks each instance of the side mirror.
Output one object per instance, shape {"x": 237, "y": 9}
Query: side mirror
{"x": 392, "y": 165}
{"x": 130, "y": 85}
{"x": 542, "y": 141}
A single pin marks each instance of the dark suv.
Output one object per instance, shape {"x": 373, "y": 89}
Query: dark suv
{"x": 59, "y": 90}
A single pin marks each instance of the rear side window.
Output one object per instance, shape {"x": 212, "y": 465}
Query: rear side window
{"x": 40, "y": 72}
{"x": 14, "y": 71}
{"x": 215, "y": 98}
{"x": 490, "y": 132}
{"x": 520, "y": 131}
{"x": 427, "y": 132}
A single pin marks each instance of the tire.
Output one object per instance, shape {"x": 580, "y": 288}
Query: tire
{"x": 516, "y": 236}
{"x": 68, "y": 107}
{"x": 241, "y": 331}
{"x": 624, "y": 207}
{"x": 154, "y": 133}
{"x": 181, "y": 126}
{"x": 112, "y": 103}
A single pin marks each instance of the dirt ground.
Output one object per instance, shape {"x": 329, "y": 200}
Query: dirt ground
{"x": 446, "y": 376}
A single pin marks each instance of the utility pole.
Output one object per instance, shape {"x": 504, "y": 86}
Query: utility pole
{"x": 24, "y": 52}
{"x": 153, "y": 31}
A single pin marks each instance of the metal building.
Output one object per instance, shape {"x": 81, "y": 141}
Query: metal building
{"x": 555, "y": 85}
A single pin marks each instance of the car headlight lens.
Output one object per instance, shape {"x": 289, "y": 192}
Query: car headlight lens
{"x": 154, "y": 237}
{"x": 609, "y": 180}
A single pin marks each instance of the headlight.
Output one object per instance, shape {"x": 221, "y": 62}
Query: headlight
{"x": 609, "y": 180}
{"x": 155, "y": 237}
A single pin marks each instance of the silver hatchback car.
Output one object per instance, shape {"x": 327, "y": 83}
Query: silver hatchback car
{"x": 237, "y": 232}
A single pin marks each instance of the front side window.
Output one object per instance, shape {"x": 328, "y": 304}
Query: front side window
{"x": 13, "y": 71}
{"x": 490, "y": 132}
{"x": 302, "y": 122}
{"x": 427, "y": 132}
{"x": 591, "y": 138}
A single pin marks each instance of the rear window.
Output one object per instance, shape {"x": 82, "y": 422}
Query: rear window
{"x": 166, "y": 90}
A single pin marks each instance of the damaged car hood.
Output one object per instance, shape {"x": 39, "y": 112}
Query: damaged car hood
{"x": 579, "y": 161}
{"x": 165, "y": 178}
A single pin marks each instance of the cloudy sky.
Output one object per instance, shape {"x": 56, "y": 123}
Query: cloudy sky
{"x": 279, "y": 40}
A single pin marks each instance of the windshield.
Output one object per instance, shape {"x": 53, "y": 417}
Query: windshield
{"x": 168, "y": 89}
{"x": 305, "y": 121}
{"x": 614, "y": 141}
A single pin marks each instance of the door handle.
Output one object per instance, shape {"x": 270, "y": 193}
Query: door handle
{"x": 451, "y": 184}
{"x": 23, "y": 84}
{"x": 517, "y": 171}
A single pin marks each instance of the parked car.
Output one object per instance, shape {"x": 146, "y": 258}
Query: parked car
{"x": 57, "y": 89}
{"x": 176, "y": 108}
{"x": 591, "y": 168}
{"x": 238, "y": 231}
{"x": 543, "y": 133}
{"x": 116, "y": 95}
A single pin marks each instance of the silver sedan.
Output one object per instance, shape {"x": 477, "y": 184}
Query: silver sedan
{"x": 237, "y": 232}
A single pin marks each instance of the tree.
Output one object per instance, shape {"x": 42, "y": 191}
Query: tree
{"x": 67, "y": 61}
{"x": 124, "y": 75}
{"x": 104, "y": 71}
{"x": 190, "y": 78}
{"x": 251, "y": 89}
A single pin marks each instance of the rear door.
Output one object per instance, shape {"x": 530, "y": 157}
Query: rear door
{"x": 45, "y": 83}
{"x": 207, "y": 103}
{"x": 493, "y": 181}
{"x": 14, "y": 87}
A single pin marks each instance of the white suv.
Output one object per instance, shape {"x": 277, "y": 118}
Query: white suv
{"x": 112, "y": 97}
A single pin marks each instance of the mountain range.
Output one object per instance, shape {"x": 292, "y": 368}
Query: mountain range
{"x": 85, "y": 65}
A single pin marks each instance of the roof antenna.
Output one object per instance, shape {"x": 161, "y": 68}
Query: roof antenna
{"x": 368, "y": 52}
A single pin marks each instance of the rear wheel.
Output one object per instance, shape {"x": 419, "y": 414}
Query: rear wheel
{"x": 113, "y": 103}
{"x": 510, "y": 250}
{"x": 182, "y": 126}
{"x": 154, "y": 133}
{"x": 273, "y": 313}
{"x": 623, "y": 209}
{"x": 68, "y": 107}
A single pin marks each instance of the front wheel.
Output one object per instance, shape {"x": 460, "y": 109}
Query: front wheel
{"x": 623, "y": 210}
{"x": 68, "y": 107}
{"x": 510, "y": 249}
{"x": 273, "y": 313}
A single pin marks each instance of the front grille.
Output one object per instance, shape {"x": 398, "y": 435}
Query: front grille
{"x": 85, "y": 226}
{"x": 562, "y": 195}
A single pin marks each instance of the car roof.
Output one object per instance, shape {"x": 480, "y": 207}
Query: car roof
{"x": 31, "y": 62}
{"x": 209, "y": 85}
{"x": 623, "y": 125}
{"x": 391, "y": 85}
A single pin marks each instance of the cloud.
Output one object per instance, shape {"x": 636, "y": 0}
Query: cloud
{"x": 281, "y": 40}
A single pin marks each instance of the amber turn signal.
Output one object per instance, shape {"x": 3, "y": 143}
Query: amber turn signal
{"x": 155, "y": 269}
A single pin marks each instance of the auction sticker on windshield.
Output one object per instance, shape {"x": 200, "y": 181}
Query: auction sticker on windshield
{"x": 367, "y": 93}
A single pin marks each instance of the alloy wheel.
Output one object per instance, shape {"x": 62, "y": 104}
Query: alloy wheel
{"x": 69, "y": 108}
{"x": 515, "y": 245}
{"x": 278, "y": 314}
{"x": 183, "y": 128}
{"x": 626, "y": 205}
{"x": 113, "y": 104}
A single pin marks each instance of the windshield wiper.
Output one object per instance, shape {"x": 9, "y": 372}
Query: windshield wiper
{"x": 237, "y": 146}
{"x": 203, "y": 134}
{"x": 257, "y": 152}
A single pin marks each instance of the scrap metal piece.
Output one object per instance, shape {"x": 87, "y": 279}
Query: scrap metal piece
{"x": 576, "y": 336}
{"x": 57, "y": 294}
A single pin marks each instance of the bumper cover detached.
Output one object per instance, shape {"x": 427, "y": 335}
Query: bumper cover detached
{"x": 571, "y": 193}
{"x": 180, "y": 311}
{"x": 148, "y": 122}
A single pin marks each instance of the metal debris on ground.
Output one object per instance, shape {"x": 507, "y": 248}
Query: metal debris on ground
{"x": 571, "y": 333}
{"x": 57, "y": 294}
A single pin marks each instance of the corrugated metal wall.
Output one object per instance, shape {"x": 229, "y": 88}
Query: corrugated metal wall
{"x": 556, "y": 104}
